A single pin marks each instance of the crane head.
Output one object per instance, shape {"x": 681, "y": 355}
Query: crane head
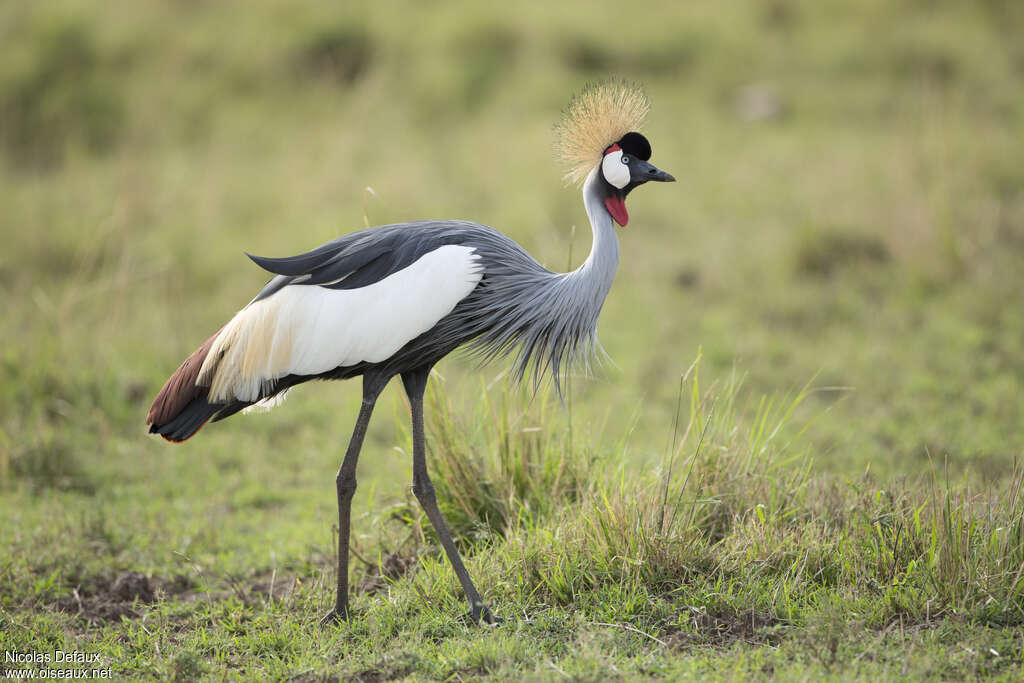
{"x": 597, "y": 133}
{"x": 625, "y": 166}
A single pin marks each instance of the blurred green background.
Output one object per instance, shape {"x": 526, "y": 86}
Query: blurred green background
{"x": 849, "y": 211}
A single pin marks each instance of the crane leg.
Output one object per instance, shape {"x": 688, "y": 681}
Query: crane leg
{"x": 345, "y": 483}
{"x": 415, "y": 384}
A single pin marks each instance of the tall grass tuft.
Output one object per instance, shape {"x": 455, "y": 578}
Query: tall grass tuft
{"x": 507, "y": 467}
{"x": 973, "y": 547}
{"x": 734, "y": 513}
{"x": 727, "y": 466}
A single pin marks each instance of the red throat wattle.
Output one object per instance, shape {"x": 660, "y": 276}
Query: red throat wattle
{"x": 616, "y": 206}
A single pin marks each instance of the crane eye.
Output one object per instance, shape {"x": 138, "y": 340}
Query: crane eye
{"x": 625, "y": 159}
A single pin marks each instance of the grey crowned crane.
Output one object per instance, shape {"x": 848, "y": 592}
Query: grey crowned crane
{"x": 394, "y": 300}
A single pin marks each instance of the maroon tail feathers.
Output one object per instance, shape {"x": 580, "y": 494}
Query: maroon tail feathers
{"x": 180, "y": 409}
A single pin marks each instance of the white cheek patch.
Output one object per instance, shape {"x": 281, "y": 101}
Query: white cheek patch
{"x": 615, "y": 172}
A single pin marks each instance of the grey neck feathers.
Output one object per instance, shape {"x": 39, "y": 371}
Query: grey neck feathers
{"x": 549, "y": 319}
{"x": 598, "y": 271}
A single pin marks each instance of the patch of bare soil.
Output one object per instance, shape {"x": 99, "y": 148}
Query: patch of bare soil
{"x": 96, "y": 599}
{"x": 394, "y": 565}
{"x": 725, "y": 628}
{"x": 387, "y": 670}
{"x": 314, "y": 678}
{"x": 266, "y": 588}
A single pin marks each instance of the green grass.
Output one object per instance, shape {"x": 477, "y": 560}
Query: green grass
{"x": 849, "y": 219}
{"x": 730, "y": 559}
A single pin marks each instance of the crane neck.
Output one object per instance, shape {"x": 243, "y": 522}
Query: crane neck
{"x": 550, "y": 317}
{"x": 600, "y": 266}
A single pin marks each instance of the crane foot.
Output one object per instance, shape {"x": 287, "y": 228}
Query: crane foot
{"x": 334, "y": 618}
{"x": 482, "y": 615}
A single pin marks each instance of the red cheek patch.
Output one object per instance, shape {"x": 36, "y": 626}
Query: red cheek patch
{"x": 617, "y": 208}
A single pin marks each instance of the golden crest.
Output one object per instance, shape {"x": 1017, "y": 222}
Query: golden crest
{"x": 595, "y": 118}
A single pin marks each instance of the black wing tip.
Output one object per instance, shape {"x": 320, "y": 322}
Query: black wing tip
{"x": 189, "y": 421}
{"x": 289, "y": 266}
{"x": 261, "y": 261}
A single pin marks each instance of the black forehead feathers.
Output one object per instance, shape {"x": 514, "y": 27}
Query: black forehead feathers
{"x": 635, "y": 145}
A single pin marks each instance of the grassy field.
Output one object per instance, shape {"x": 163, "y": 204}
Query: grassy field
{"x": 803, "y": 463}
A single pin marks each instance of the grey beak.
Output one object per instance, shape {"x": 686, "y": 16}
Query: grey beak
{"x": 652, "y": 172}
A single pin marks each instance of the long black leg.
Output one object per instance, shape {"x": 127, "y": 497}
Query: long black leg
{"x": 345, "y": 483}
{"x": 415, "y": 384}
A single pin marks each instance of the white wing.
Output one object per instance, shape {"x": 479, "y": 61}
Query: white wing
{"x": 307, "y": 329}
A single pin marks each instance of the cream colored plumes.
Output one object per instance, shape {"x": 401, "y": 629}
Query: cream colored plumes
{"x": 597, "y": 117}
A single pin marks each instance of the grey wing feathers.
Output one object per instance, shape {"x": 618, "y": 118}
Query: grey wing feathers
{"x": 362, "y": 258}
{"x": 303, "y": 263}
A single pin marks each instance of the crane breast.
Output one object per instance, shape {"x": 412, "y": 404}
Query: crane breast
{"x": 309, "y": 329}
